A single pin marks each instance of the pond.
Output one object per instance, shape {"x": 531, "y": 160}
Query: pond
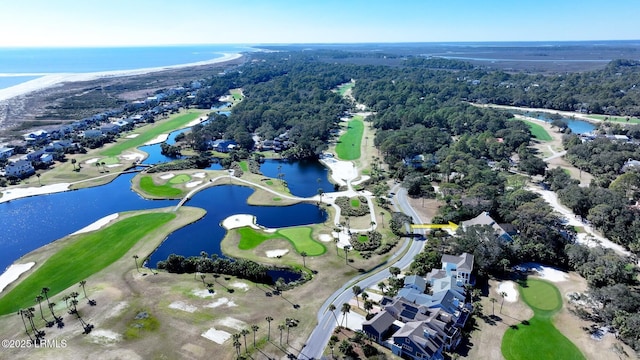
{"x": 30, "y": 223}
{"x": 304, "y": 178}
{"x": 221, "y": 202}
{"x": 577, "y": 126}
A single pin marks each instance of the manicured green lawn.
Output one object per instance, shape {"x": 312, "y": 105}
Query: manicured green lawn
{"x": 343, "y": 88}
{"x": 299, "y": 237}
{"x": 348, "y": 147}
{"x": 180, "y": 179}
{"x": 355, "y": 202}
{"x": 538, "y": 131}
{"x": 538, "y": 338}
{"x": 166, "y": 190}
{"x": 164, "y": 127}
{"x": 82, "y": 257}
{"x": 621, "y": 119}
{"x": 244, "y": 166}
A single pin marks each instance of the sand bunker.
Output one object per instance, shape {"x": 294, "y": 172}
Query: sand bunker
{"x": 191, "y": 184}
{"x": 97, "y": 225}
{"x": 167, "y": 176}
{"x": 92, "y": 161}
{"x": 13, "y": 273}
{"x": 132, "y": 136}
{"x": 105, "y": 336}
{"x": 232, "y": 323}
{"x": 509, "y": 288}
{"x": 241, "y": 286}
{"x": 546, "y": 272}
{"x": 199, "y": 175}
{"x": 160, "y": 138}
{"x": 220, "y": 302}
{"x": 18, "y": 193}
{"x": 179, "y": 305}
{"x": 341, "y": 171}
{"x": 276, "y": 253}
{"x": 217, "y": 336}
{"x": 202, "y": 293}
{"x": 238, "y": 221}
{"x": 113, "y": 165}
{"x": 131, "y": 156}
{"x": 325, "y": 237}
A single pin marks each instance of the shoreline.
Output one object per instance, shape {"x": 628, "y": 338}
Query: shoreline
{"x": 56, "y": 79}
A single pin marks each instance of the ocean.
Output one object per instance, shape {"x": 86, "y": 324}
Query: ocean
{"x": 18, "y": 65}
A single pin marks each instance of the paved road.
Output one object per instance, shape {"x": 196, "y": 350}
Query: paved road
{"x": 319, "y": 338}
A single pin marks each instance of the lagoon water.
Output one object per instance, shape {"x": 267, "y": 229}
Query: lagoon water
{"x": 30, "y": 223}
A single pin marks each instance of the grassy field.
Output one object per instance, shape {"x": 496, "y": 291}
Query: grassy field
{"x": 165, "y": 191}
{"x": 164, "y": 127}
{"x": 244, "y": 166}
{"x": 82, "y": 257}
{"x": 538, "y": 338}
{"x": 344, "y": 87}
{"x": 538, "y": 131}
{"x": 299, "y": 237}
{"x": 348, "y": 147}
{"x": 620, "y": 119}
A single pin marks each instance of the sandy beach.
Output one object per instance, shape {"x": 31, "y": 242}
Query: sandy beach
{"x": 49, "y": 80}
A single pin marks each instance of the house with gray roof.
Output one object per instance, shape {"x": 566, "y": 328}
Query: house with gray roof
{"x": 484, "y": 219}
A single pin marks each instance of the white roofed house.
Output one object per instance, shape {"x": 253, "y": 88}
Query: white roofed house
{"x": 459, "y": 265}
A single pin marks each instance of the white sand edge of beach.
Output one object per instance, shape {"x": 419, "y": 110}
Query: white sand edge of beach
{"x": 12, "y": 274}
{"x": 50, "y": 80}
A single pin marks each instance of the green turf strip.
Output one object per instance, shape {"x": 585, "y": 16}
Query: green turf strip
{"x": 82, "y": 257}
{"x": 538, "y": 338}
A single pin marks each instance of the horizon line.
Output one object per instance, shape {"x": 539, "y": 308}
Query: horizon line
{"x": 310, "y": 43}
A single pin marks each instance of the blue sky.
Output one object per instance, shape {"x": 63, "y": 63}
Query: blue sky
{"x": 159, "y": 22}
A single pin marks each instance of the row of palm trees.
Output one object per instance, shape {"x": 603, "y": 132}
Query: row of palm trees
{"x": 36, "y": 335}
{"x": 287, "y": 325}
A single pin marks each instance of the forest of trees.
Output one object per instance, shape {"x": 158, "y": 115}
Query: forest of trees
{"x": 422, "y": 107}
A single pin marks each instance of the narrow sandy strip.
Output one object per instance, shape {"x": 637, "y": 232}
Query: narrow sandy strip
{"x": 97, "y": 225}
{"x": 159, "y": 139}
{"x": 17, "y": 193}
{"x": 12, "y": 273}
{"x": 49, "y": 80}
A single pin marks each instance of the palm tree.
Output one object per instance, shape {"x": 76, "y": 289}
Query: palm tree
{"x": 39, "y": 301}
{"x": 269, "y": 320}
{"x": 135, "y": 258}
{"x": 236, "y": 343}
{"x": 382, "y": 218}
{"x": 504, "y": 295}
{"x": 280, "y": 327}
{"x": 289, "y": 324}
{"x": 395, "y": 271}
{"x": 304, "y": 256}
{"x": 346, "y": 308}
{"x": 382, "y": 286}
{"x": 103, "y": 164}
{"x": 29, "y": 314}
{"x": 368, "y": 306}
{"x": 23, "y": 314}
{"x": 346, "y": 253}
{"x": 356, "y": 291}
{"x": 364, "y": 296}
{"x": 332, "y": 308}
{"x": 38, "y": 176}
{"x": 202, "y": 276}
{"x": 244, "y": 334}
{"x": 45, "y": 291}
{"x": 73, "y": 163}
{"x": 56, "y": 318}
{"x": 254, "y": 328}
{"x": 493, "y": 305}
{"x": 337, "y": 240}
